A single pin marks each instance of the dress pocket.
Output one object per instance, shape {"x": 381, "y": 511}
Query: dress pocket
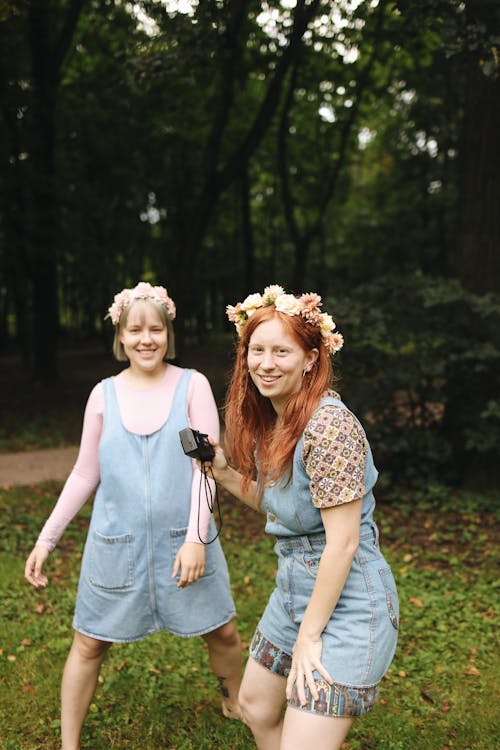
{"x": 391, "y": 595}
{"x": 111, "y": 561}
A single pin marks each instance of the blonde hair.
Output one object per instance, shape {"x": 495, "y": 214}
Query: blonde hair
{"x": 118, "y": 349}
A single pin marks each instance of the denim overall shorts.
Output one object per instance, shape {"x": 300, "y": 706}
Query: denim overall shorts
{"x": 360, "y": 638}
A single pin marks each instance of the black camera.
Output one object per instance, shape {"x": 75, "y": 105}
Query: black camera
{"x": 196, "y": 445}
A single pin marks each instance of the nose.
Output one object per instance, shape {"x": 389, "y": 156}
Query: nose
{"x": 267, "y": 361}
{"x": 145, "y": 335}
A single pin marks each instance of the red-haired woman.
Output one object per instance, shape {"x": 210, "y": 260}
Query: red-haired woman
{"x": 329, "y": 630}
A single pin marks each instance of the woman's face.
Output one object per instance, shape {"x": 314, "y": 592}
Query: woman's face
{"x": 144, "y": 337}
{"x": 276, "y": 362}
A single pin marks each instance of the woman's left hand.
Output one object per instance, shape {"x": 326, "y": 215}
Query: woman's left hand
{"x": 190, "y": 561}
{"x": 305, "y": 659}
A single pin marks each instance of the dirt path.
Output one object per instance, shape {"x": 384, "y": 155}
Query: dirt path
{"x": 31, "y": 467}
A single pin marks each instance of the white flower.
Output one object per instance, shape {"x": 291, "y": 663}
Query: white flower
{"x": 288, "y": 304}
{"x": 251, "y": 303}
{"x": 327, "y": 325}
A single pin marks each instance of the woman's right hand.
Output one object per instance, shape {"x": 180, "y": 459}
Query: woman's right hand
{"x": 33, "y": 568}
{"x": 219, "y": 461}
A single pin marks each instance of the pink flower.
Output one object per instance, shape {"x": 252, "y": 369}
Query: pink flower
{"x": 271, "y": 293}
{"x": 310, "y": 304}
{"x": 334, "y": 342}
{"x": 121, "y": 300}
{"x": 233, "y": 312}
{"x": 143, "y": 290}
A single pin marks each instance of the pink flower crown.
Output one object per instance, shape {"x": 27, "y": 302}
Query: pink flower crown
{"x": 144, "y": 291}
{"x": 307, "y": 306}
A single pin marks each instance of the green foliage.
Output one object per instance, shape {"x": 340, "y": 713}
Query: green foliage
{"x": 421, "y": 367}
{"x": 159, "y": 692}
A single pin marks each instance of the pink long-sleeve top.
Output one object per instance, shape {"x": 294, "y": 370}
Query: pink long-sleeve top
{"x": 143, "y": 410}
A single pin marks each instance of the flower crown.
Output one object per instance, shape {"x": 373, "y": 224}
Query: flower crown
{"x": 143, "y": 290}
{"x": 307, "y": 306}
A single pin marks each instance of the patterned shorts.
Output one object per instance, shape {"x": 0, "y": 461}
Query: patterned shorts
{"x": 334, "y": 700}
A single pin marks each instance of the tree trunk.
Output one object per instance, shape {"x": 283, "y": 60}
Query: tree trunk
{"x": 479, "y": 200}
{"x": 248, "y": 243}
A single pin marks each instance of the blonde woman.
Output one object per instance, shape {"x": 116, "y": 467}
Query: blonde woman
{"x": 146, "y": 566}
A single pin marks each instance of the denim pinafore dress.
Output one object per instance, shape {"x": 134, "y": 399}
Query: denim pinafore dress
{"x": 360, "y": 638}
{"x": 139, "y": 522}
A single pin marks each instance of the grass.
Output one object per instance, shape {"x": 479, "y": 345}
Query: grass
{"x": 441, "y": 690}
{"x": 439, "y": 694}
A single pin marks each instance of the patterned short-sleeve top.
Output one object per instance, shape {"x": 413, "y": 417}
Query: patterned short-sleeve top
{"x": 334, "y": 455}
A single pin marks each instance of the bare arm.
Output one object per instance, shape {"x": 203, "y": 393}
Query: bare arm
{"x": 342, "y": 538}
{"x": 230, "y": 479}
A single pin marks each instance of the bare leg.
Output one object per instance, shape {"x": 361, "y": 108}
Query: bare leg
{"x": 262, "y": 697}
{"x": 303, "y": 729}
{"x": 78, "y": 686}
{"x": 224, "y": 651}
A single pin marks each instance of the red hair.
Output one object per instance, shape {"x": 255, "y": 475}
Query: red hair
{"x": 254, "y": 433}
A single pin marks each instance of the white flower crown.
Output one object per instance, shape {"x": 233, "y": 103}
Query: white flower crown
{"x": 307, "y": 306}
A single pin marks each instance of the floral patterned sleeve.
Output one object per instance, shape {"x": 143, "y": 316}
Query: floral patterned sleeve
{"x": 334, "y": 455}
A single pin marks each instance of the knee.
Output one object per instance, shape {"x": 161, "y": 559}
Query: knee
{"x": 257, "y": 712}
{"x": 226, "y": 636}
{"x": 89, "y": 648}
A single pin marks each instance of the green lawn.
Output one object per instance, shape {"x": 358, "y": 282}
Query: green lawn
{"x": 441, "y": 691}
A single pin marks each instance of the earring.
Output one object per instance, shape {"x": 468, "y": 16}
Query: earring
{"x": 305, "y": 371}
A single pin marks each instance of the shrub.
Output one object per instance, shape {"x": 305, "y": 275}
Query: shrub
{"x": 421, "y": 368}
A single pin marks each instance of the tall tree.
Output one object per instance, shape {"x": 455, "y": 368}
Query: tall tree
{"x": 479, "y": 218}
{"x": 47, "y": 32}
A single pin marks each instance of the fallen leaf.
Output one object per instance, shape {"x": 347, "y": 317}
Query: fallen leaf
{"x": 416, "y": 601}
{"x": 152, "y": 670}
{"x": 11, "y": 657}
{"x": 471, "y": 669}
{"x": 445, "y": 706}
{"x": 27, "y": 687}
{"x": 26, "y": 642}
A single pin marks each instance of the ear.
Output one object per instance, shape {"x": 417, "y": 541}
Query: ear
{"x": 311, "y": 358}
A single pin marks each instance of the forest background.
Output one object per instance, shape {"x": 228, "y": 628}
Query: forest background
{"x": 349, "y": 148}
